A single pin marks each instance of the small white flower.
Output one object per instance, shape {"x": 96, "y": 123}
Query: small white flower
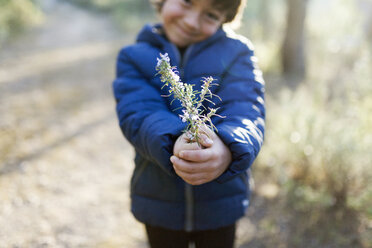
{"x": 183, "y": 118}
{"x": 165, "y": 57}
{"x": 174, "y": 76}
{"x": 181, "y": 86}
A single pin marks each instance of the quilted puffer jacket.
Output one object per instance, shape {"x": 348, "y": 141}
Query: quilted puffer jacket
{"x": 151, "y": 124}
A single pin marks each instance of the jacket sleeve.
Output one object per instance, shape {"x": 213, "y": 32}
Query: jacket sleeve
{"x": 144, "y": 117}
{"x": 242, "y": 129}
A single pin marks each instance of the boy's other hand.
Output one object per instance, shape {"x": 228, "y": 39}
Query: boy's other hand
{"x": 196, "y": 165}
{"x": 183, "y": 143}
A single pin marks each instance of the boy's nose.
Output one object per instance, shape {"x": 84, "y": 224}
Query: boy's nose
{"x": 192, "y": 20}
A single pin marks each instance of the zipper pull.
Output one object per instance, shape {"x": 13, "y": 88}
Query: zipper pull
{"x": 182, "y": 73}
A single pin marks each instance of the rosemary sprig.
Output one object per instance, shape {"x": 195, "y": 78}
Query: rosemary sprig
{"x": 191, "y": 100}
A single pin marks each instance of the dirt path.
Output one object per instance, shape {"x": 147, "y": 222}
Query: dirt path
{"x": 64, "y": 165}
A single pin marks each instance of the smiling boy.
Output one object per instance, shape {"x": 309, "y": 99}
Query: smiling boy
{"x": 191, "y": 196}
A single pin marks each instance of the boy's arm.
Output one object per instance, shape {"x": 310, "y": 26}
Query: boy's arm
{"x": 240, "y": 134}
{"x": 144, "y": 118}
{"x": 242, "y": 131}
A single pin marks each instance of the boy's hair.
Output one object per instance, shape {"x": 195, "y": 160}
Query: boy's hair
{"x": 232, "y": 8}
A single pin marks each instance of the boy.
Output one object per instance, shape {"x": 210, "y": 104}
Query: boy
{"x": 196, "y": 195}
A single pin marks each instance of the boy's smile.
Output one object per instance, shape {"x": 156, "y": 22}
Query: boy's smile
{"x": 190, "y": 21}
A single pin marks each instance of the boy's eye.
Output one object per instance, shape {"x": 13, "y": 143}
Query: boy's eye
{"x": 213, "y": 16}
{"x": 187, "y": 1}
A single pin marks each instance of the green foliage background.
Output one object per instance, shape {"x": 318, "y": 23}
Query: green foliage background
{"x": 16, "y": 15}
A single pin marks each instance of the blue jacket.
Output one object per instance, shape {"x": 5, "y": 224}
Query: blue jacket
{"x": 151, "y": 124}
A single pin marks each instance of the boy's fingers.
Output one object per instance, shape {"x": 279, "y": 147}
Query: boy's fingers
{"x": 191, "y": 178}
{"x": 205, "y": 140}
{"x": 198, "y": 156}
{"x": 188, "y": 177}
{"x": 183, "y": 144}
{"x": 207, "y": 131}
{"x": 184, "y": 166}
{"x": 192, "y": 146}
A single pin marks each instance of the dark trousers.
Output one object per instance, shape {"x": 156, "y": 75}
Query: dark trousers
{"x": 217, "y": 238}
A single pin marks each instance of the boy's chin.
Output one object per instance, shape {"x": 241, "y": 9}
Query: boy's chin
{"x": 181, "y": 44}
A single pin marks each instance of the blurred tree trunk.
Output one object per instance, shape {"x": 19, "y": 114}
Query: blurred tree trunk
{"x": 367, "y": 7}
{"x": 293, "y": 47}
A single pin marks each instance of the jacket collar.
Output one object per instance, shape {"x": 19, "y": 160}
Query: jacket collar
{"x": 154, "y": 35}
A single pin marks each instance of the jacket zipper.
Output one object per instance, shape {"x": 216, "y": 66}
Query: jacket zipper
{"x": 189, "y": 195}
{"x": 189, "y": 214}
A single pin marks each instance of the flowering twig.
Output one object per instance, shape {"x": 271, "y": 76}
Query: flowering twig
{"x": 191, "y": 100}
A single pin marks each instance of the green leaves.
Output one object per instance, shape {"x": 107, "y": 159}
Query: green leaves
{"x": 191, "y": 100}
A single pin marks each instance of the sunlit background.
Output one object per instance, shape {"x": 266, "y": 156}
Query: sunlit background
{"x": 65, "y": 167}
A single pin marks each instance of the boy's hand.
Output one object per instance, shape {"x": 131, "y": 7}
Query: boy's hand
{"x": 196, "y": 165}
{"x": 182, "y": 143}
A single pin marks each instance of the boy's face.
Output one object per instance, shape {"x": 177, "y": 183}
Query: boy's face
{"x": 190, "y": 21}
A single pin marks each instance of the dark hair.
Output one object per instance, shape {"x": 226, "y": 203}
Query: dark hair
{"x": 232, "y": 8}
